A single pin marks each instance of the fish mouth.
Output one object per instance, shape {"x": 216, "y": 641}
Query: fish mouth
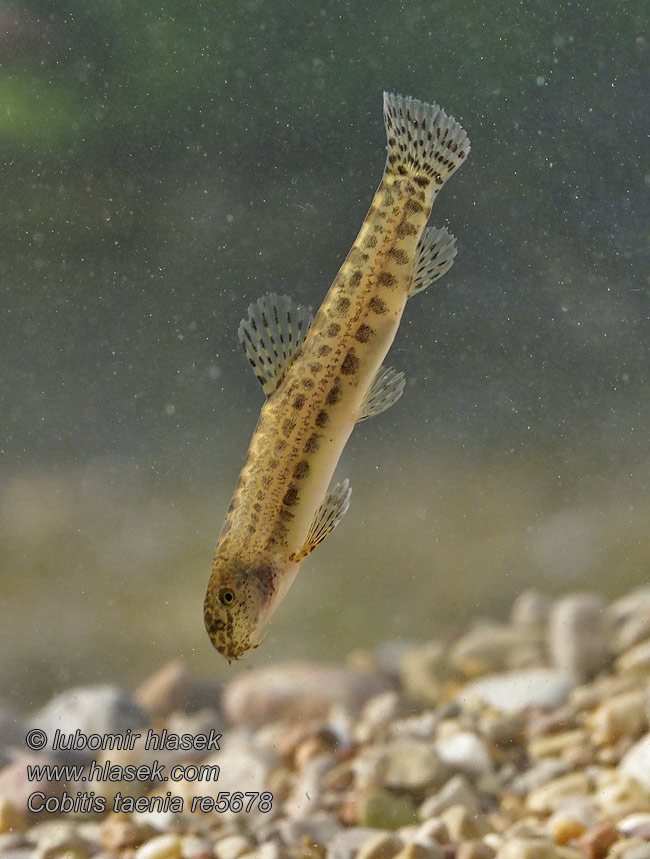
{"x": 236, "y": 651}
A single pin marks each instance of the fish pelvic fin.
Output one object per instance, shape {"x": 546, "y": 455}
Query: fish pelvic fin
{"x": 386, "y": 389}
{"x": 326, "y": 518}
{"x": 423, "y": 141}
{"x": 271, "y": 336}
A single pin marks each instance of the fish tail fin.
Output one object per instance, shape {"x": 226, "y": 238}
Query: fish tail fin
{"x": 423, "y": 142}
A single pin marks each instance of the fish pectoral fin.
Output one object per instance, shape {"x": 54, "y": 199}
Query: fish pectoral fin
{"x": 435, "y": 256}
{"x": 385, "y": 391}
{"x": 326, "y": 518}
{"x": 271, "y": 336}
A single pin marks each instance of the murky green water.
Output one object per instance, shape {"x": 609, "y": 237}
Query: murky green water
{"x": 164, "y": 166}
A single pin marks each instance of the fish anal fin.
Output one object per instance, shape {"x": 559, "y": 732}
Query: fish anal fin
{"x": 435, "y": 256}
{"x": 385, "y": 391}
{"x": 271, "y": 335}
{"x": 326, "y": 518}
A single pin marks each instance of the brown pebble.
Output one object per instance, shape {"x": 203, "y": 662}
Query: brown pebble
{"x": 463, "y": 826}
{"x": 381, "y": 845}
{"x": 474, "y": 849}
{"x": 595, "y": 843}
{"x": 11, "y": 818}
{"x": 118, "y": 832}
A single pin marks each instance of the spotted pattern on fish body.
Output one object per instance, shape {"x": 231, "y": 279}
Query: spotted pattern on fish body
{"x": 320, "y": 380}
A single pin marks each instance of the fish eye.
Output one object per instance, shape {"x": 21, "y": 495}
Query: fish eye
{"x": 226, "y": 596}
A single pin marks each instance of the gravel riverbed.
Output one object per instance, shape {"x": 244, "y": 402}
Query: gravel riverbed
{"x": 528, "y": 739}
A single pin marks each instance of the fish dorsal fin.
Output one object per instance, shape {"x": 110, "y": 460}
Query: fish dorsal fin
{"x": 435, "y": 256}
{"x": 385, "y": 391}
{"x": 326, "y": 518}
{"x": 271, "y": 335}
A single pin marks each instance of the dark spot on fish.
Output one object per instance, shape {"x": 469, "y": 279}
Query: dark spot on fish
{"x": 324, "y": 350}
{"x": 364, "y": 333}
{"x": 412, "y": 207}
{"x": 322, "y": 418}
{"x": 355, "y": 277}
{"x": 299, "y": 402}
{"x": 333, "y": 329}
{"x": 377, "y": 305}
{"x": 257, "y": 506}
{"x": 233, "y": 505}
{"x": 342, "y": 306}
{"x": 259, "y": 495}
{"x": 288, "y": 427}
{"x": 273, "y": 463}
{"x": 267, "y": 480}
{"x": 301, "y": 470}
{"x": 251, "y": 529}
{"x": 312, "y": 444}
{"x": 280, "y": 445}
{"x": 290, "y": 496}
{"x": 350, "y": 363}
{"x": 315, "y": 368}
{"x": 307, "y": 383}
{"x": 333, "y": 396}
{"x": 406, "y": 228}
{"x": 422, "y": 181}
{"x": 385, "y": 279}
{"x": 399, "y": 255}
{"x": 370, "y": 241}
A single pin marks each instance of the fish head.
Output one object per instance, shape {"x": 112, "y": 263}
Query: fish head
{"x": 238, "y": 602}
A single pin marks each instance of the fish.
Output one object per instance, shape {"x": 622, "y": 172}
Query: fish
{"x": 322, "y": 376}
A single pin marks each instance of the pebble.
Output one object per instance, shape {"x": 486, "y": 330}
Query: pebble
{"x": 555, "y": 745}
{"x": 347, "y": 843}
{"x": 56, "y": 839}
{"x": 174, "y": 689}
{"x": 474, "y": 849}
{"x": 91, "y": 710}
{"x": 488, "y": 648}
{"x": 621, "y": 716}
{"x": 636, "y": 763}
{"x": 550, "y": 796}
{"x": 231, "y": 847}
{"x": 161, "y": 847}
{"x": 381, "y": 809}
{"x": 416, "y": 850}
{"x": 457, "y": 791}
{"x": 298, "y": 690}
{"x": 193, "y": 847}
{"x": 409, "y": 765}
{"x": 535, "y": 848}
{"x": 118, "y": 832}
{"x": 466, "y": 752}
{"x": 461, "y": 825}
{"x": 518, "y": 690}
{"x": 17, "y": 788}
{"x": 422, "y": 670}
{"x": 635, "y": 826}
{"x": 635, "y": 659}
{"x": 11, "y": 818}
{"x": 380, "y": 845}
{"x": 595, "y": 843}
{"x": 579, "y": 637}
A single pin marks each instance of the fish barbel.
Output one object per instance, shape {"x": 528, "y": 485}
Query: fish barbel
{"x": 323, "y": 376}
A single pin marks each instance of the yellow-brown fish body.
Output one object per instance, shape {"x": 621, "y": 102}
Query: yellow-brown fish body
{"x": 321, "y": 382}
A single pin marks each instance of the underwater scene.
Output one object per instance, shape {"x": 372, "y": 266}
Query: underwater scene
{"x": 324, "y": 430}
